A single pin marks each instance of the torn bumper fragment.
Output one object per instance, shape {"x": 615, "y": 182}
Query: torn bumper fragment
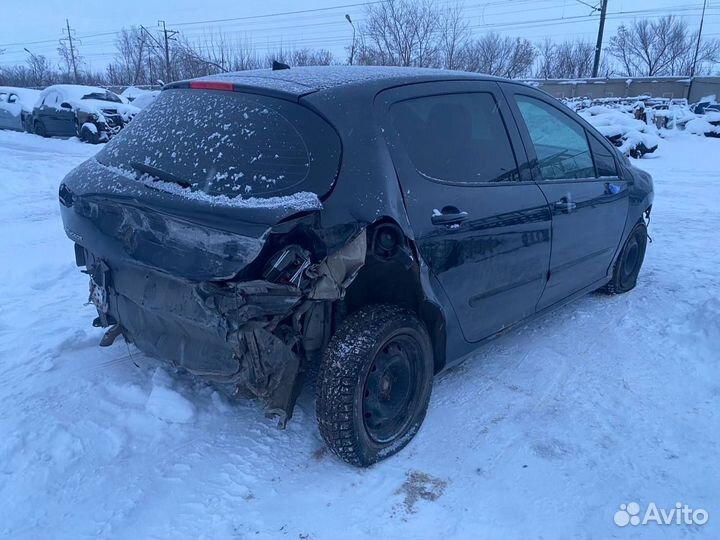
{"x": 259, "y": 335}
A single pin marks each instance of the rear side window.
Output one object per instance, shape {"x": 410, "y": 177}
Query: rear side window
{"x": 229, "y": 143}
{"x": 604, "y": 160}
{"x": 456, "y": 138}
{"x": 560, "y": 142}
{"x": 51, "y": 99}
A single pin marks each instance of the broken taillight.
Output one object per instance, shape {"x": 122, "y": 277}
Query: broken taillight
{"x": 287, "y": 266}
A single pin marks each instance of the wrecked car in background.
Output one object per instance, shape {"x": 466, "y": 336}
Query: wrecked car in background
{"x": 139, "y": 97}
{"x": 16, "y": 105}
{"x": 94, "y": 114}
{"x": 367, "y": 225}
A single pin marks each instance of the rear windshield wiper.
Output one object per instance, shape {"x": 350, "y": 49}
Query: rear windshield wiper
{"x": 159, "y": 174}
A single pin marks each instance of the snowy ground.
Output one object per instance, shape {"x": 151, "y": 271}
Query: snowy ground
{"x": 544, "y": 433}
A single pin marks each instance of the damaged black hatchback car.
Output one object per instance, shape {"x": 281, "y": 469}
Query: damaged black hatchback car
{"x": 367, "y": 226}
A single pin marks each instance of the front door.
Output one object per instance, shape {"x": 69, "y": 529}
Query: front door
{"x": 579, "y": 178}
{"x": 480, "y": 223}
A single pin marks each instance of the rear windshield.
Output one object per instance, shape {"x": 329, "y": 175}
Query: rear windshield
{"x": 103, "y": 96}
{"x": 229, "y": 143}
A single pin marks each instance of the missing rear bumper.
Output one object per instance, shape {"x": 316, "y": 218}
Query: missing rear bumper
{"x": 260, "y": 336}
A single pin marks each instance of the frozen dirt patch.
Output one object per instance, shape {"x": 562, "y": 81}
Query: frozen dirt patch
{"x": 543, "y": 433}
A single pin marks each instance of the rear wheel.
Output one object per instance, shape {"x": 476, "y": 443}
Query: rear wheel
{"x": 628, "y": 264}
{"x": 88, "y": 135}
{"x": 374, "y": 384}
{"x": 40, "y": 129}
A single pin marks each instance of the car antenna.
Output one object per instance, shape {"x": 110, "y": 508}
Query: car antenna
{"x": 277, "y": 66}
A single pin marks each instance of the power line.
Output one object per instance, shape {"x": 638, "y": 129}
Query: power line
{"x": 301, "y": 11}
{"x": 338, "y": 22}
{"x": 338, "y": 37}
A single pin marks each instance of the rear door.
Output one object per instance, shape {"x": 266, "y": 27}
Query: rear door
{"x": 480, "y": 222}
{"x": 579, "y": 177}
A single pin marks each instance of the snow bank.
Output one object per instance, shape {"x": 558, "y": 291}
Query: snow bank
{"x": 633, "y": 137}
{"x": 700, "y": 126}
{"x": 167, "y": 404}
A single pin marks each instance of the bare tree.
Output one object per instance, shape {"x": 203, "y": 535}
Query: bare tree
{"x": 131, "y": 45}
{"x": 494, "y": 54}
{"x": 310, "y": 57}
{"x": 245, "y": 56}
{"x": 68, "y": 60}
{"x": 565, "y": 60}
{"x": 40, "y": 70}
{"x": 453, "y": 36}
{"x": 660, "y": 47}
{"x": 400, "y": 33}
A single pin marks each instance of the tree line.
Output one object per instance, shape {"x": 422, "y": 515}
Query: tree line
{"x": 417, "y": 33}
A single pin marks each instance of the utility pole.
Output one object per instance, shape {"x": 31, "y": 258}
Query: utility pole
{"x": 167, "y": 49}
{"x": 72, "y": 50}
{"x": 598, "y": 45}
{"x": 160, "y": 47}
{"x": 697, "y": 45}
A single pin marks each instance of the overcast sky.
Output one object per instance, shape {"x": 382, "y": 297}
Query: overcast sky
{"x": 38, "y": 24}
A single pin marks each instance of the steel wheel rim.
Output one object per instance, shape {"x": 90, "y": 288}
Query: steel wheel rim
{"x": 631, "y": 259}
{"x": 391, "y": 388}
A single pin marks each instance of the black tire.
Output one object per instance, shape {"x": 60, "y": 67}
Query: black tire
{"x": 628, "y": 264}
{"x": 374, "y": 384}
{"x": 40, "y": 129}
{"x": 88, "y": 136}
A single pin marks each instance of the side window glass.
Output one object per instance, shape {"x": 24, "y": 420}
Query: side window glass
{"x": 458, "y": 138}
{"x": 560, "y": 143}
{"x": 604, "y": 160}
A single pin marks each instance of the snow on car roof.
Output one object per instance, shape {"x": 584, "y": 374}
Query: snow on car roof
{"x": 28, "y": 96}
{"x": 76, "y": 91}
{"x": 303, "y": 80}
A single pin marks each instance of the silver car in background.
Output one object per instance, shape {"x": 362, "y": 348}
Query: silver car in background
{"x": 16, "y": 105}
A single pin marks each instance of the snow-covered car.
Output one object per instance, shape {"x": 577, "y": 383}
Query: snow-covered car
{"x": 139, "y": 97}
{"x": 369, "y": 225}
{"x": 145, "y": 99}
{"x": 16, "y": 105}
{"x": 94, "y": 114}
{"x": 630, "y": 135}
{"x": 707, "y": 124}
{"x": 709, "y": 105}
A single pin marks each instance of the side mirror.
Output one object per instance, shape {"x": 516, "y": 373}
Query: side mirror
{"x": 12, "y": 99}
{"x": 66, "y": 105}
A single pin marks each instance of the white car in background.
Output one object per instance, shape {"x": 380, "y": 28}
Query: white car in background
{"x": 16, "y": 105}
{"x": 92, "y": 113}
{"x": 139, "y": 97}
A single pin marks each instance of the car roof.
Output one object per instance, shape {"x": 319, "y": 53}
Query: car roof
{"x": 299, "y": 81}
{"x": 76, "y": 89}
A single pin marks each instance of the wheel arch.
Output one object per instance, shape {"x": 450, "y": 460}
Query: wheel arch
{"x": 393, "y": 274}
